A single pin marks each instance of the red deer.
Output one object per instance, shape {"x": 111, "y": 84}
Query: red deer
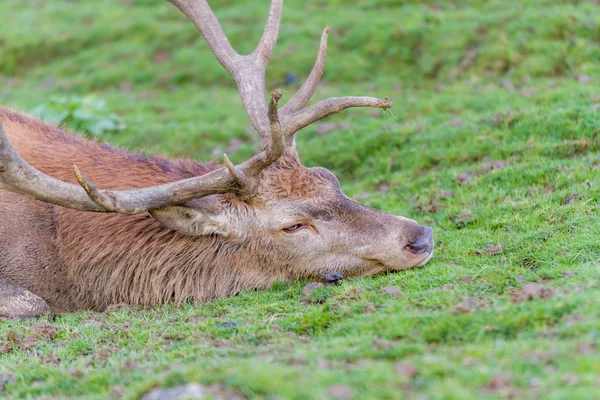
{"x": 146, "y": 230}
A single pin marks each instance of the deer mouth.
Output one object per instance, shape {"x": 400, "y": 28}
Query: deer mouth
{"x": 426, "y": 260}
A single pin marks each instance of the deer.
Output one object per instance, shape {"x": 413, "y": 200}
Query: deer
{"x": 85, "y": 225}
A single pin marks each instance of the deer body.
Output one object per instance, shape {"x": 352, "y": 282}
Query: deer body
{"x": 150, "y": 230}
{"x": 77, "y": 259}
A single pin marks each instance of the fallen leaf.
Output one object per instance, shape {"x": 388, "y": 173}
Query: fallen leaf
{"x": 465, "y": 177}
{"x": 383, "y": 187}
{"x": 308, "y": 289}
{"x": 562, "y": 168}
{"x": 468, "y": 305}
{"x": 501, "y": 385}
{"x": 341, "y": 392}
{"x": 51, "y": 359}
{"x": 406, "y": 369}
{"x": 195, "y": 319}
{"x": 490, "y": 250}
{"x": 125, "y": 86}
{"x": 323, "y": 363}
{"x": 74, "y": 372}
{"x": 584, "y": 348}
{"x": 444, "y": 194}
{"x": 382, "y": 344}
{"x": 457, "y": 122}
{"x": 369, "y": 309}
{"x": 117, "y": 307}
{"x": 497, "y": 164}
{"x": 130, "y": 365}
{"x": 571, "y": 379}
{"x": 571, "y": 198}
{"x": 187, "y": 391}
{"x": 582, "y": 78}
{"x": 44, "y": 330}
{"x": 92, "y": 323}
{"x": 161, "y": 57}
{"x": 392, "y": 291}
{"x": 508, "y": 84}
{"x": 527, "y": 92}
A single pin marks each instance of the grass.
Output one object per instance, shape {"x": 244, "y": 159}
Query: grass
{"x": 495, "y": 144}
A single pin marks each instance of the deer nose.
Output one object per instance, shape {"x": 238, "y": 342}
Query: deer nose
{"x": 423, "y": 244}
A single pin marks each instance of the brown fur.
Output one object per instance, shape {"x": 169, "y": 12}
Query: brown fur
{"x": 77, "y": 260}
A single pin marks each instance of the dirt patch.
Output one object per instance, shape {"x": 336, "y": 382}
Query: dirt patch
{"x": 532, "y": 291}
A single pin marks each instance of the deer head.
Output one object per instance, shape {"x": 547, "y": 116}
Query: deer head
{"x": 292, "y": 218}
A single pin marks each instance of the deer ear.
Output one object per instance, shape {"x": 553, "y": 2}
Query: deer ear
{"x": 192, "y": 222}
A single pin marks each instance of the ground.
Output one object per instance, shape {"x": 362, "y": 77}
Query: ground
{"x": 493, "y": 141}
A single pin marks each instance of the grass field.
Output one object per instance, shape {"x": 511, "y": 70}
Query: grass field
{"x": 494, "y": 141}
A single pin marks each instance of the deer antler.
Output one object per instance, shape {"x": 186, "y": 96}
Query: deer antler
{"x": 17, "y": 175}
{"x": 276, "y": 127}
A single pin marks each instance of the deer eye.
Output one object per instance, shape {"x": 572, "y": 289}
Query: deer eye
{"x": 293, "y": 228}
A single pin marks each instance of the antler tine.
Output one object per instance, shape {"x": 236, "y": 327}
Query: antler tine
{"x": 200, "y": 13}
{"x": 272, "y": 151}
{"x": 264, "y": 49}
{"x": 309, "y": 86}
{"x": 295, "y": 117}
{"x": 247, "y": 71}
{"x": 325, "y": 108}
{"x": 17, "y": 175}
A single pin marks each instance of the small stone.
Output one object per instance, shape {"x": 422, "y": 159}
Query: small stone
{"x": 335, "y": 278}
{"x": 226, "y": 324}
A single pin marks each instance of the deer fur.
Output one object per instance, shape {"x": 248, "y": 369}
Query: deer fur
{"x": 147, "y": 230}
{"x": 83, "y": 260}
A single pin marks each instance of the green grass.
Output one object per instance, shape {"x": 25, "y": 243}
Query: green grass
{"x": 474, "y": 82}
